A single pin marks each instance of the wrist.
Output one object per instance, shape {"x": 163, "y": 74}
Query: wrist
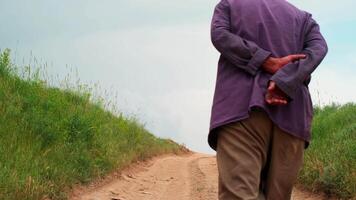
{"x": 271, "y": 65}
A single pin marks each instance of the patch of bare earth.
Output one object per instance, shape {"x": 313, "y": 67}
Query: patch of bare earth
{"x": 191, "y": 176}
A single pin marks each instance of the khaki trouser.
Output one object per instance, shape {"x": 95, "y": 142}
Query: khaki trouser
{"x": 257, "y": 160}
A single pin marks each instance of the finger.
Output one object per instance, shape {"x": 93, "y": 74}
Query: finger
{"x": 275, "y": 103}
{"x": 281, "y": 101}
{"x": 269, "y": 101}
{"x": 272, "y": 101}
{"x": 268, "y": 98}
{"x": 279, "y": 97}
{"x": 294, "y": 57}
{"x": 271, "y": 86}
{"x": 275, "y": 100}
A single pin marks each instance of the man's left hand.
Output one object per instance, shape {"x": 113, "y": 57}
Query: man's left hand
{"x": 275, "y": 96}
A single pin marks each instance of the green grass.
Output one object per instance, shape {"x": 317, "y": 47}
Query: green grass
{"x": 330, "y": 162}
{"x": 51, "y": 138}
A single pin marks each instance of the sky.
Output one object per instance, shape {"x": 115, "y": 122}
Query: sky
{"x": 155, "y": 56}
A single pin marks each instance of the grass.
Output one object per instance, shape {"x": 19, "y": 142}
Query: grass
{"x": 52, "y": 138}
{"x": 330, "y": 162}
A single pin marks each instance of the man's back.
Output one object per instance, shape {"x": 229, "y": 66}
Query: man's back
{"x": 262, "y": 110}
{"x": 246, "y": 33}
{"x": 274, "y": 25}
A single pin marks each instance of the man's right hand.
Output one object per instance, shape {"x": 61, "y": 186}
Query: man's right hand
{"x": 272, "y": 65}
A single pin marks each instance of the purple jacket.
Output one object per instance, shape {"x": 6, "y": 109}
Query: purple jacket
{"x": 246, "y": 32}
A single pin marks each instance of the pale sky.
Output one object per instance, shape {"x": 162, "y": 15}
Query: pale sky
{"x": 156, "y": 55}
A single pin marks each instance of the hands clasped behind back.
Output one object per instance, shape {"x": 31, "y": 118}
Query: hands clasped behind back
{"x": 274, "y": 95}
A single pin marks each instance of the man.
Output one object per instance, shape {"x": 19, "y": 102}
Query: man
{"x": 262, "y": 110}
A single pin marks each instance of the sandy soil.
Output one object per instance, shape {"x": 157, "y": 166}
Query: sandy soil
{"x": 186, "y": 177}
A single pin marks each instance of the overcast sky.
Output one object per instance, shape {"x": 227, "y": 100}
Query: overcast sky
{"x": 156, "y": 55}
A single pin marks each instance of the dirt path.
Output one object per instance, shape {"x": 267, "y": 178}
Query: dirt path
{"x": 187, "y": 177}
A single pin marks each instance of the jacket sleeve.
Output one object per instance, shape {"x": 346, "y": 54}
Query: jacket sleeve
{"x": 293, "y": 75}
{"x": 240, "y": 52}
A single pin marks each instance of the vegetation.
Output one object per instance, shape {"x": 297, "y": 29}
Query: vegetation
{"x": 330, "y": 162}
{"x": 51, "y": 138}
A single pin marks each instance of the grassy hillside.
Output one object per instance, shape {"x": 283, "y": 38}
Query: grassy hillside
{"x": 330, "y": 162}
{"x": 53, "y": 138}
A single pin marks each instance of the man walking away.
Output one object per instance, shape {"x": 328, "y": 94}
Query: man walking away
{"x": 262, "y": 111}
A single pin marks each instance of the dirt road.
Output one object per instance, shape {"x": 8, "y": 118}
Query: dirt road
{"x": 187, "y": 177}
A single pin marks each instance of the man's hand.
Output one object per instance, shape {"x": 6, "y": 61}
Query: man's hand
{"x": 274, "y": 95}
{"x": 272, "y": 65}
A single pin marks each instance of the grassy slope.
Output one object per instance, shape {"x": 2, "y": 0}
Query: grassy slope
{"x": 51, "y": 139}
{"x": 330, "y": 163}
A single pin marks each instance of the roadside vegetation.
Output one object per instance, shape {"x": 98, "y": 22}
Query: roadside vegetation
{"x": 330, "y": 161}
{"x": 53, "y": 138}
